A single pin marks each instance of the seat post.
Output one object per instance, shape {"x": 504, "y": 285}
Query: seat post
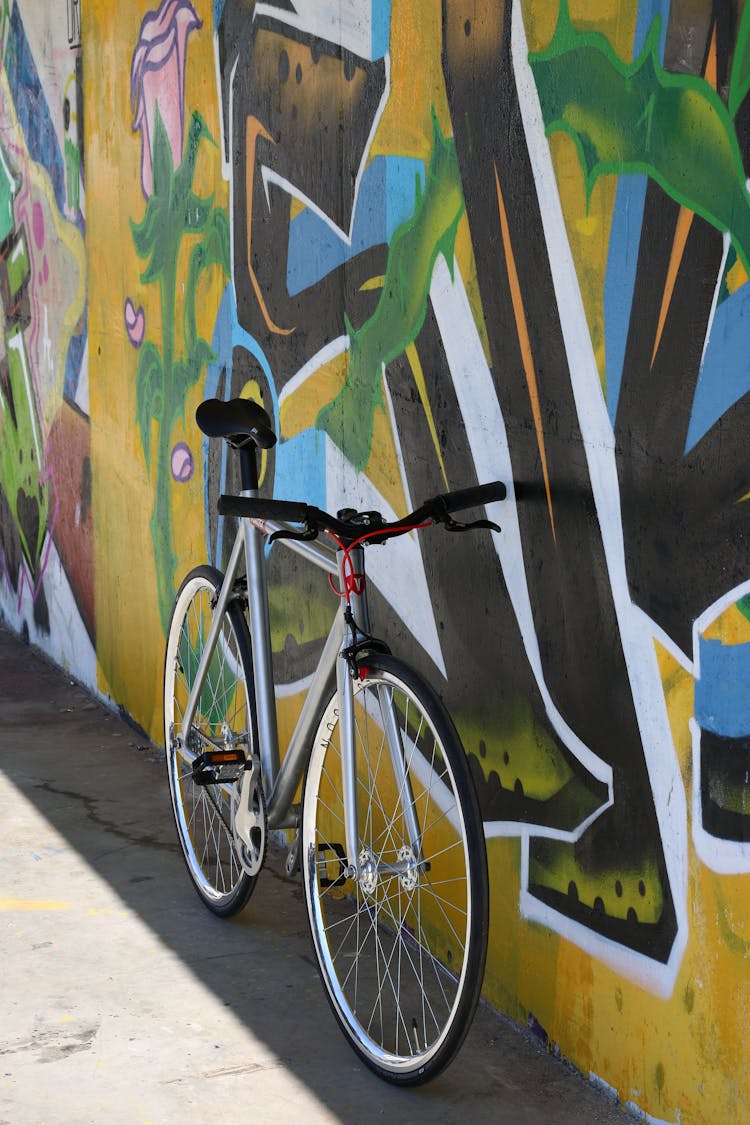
{"x": 249, "y": 467}
{"x": 260, "y": 624}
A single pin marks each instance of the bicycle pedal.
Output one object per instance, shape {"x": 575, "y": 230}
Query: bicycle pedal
{"x": 218, "y": 767}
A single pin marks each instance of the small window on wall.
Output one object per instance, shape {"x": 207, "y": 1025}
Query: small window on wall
{"x": 74, "y": 23}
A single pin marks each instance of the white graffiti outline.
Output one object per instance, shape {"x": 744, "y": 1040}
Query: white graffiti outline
{"x": 637, "y": 632}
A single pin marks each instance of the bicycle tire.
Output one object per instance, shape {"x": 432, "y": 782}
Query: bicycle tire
{"x": 402, "y": 955}
{"x": 203, "y": 814}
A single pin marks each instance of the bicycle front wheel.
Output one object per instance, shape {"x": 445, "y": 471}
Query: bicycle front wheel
{"x": 203, "y": 813}
{"x": 402, "y": 944}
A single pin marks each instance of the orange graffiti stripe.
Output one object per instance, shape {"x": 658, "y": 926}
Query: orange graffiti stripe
{"x": 253, "y": 130}
{"x": 684, "y": 222}
{"x": 524, "y": 343}
{"x": 711, "y": 73}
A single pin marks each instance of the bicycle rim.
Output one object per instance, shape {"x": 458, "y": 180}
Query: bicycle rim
{"x": 402, "y": 948}
{"x": 203, "y": 813}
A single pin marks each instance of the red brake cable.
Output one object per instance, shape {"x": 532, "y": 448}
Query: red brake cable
{"x": 352, "y": 580}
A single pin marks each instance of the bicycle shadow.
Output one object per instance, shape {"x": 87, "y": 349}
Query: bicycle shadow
{"x": 102, "y": 789}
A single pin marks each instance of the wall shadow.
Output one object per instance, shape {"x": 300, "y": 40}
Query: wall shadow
{"x": 104, "y": 789}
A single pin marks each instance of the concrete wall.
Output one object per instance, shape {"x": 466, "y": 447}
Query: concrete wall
{"x": 444, "y": 244}
{"x": 46, "y": 556}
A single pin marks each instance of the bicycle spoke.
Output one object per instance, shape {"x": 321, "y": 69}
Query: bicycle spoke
{"x": 394, "y": 941}
{"x": 223, "y": 712}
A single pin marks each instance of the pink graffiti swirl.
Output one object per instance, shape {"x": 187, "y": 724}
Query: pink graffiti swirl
{"x": 135, "y": 323}
{"x": 157, "y": 78}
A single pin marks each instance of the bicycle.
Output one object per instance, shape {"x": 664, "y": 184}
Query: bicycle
{"x": 388, "y": 835}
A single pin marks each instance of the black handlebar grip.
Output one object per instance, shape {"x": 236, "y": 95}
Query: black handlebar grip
{"x": 259, "y": 508}
{"x": 473, "y": 497}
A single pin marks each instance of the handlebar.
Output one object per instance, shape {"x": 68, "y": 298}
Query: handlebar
{"x": 463, "y": 498}
{"x": 350, "y": 526}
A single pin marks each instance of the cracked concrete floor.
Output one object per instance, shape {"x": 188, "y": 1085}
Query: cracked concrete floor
{"x": 124, "y": 1000}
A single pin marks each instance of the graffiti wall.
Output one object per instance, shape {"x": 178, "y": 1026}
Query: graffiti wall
{"x": 46, "y": 536}
{"x": 443, "y": 242}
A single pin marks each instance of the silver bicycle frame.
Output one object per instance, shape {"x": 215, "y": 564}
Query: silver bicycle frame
{"x": 281, "y": 779}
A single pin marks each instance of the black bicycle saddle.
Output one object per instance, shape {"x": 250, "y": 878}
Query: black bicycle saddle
{"x": 237, "y": 421}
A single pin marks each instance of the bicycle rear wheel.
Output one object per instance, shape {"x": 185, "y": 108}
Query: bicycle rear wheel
{"x": 226, "y": 709}
{"x": 402, "y": 947}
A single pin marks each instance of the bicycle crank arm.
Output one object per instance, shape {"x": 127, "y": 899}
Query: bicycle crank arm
{"x": 249, "y": 820}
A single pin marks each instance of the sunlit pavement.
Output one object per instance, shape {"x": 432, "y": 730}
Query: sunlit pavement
{"x": 124, "y": 1000}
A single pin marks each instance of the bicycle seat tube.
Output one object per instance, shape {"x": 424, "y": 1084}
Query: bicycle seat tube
{"x": 260, "y": 625}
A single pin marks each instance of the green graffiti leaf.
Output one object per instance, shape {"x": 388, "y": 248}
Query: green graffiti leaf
{"x": 202, "y": 354}
{"x": 637, "y": 117}
{"x": 743, "y": 605}
{"x": 739, "y": 79}
{"x": 161, "y": 255}
{"x": 213, "y": 249}
{"x": 4, "y": 22}
{"x": 181, "y": 380}
{"x": 8, "y": 189}
{"x": 197, "y": 212}
{"x": 217, "y": 241}
{"x": 161, "y": 157}
{"x": 183, "y": 177}
{"x": 197, "y": 264}
{"x": 144, "y": 233}
{"x": 149, "y": 394}
{"x": 158, "y": 235}
{"x": 187, "y": 372}
{"x": 402, "y": 305}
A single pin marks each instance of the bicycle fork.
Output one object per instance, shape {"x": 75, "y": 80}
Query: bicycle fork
{"x": 345, "y": 689}
{"x": 360, "y": 863}
{"x": 346, "y": 670}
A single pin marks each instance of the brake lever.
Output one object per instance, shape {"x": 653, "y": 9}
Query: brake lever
{"x": 453, "y": 525}
{"x": 443, "y": 516}
{"x": 300, "y": 536}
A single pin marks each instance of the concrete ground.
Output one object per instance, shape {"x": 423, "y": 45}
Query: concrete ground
{"x": 123, "y": 1000}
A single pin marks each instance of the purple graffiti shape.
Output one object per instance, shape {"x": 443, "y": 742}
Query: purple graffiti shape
{"x": 135, "y": 323}
{"x": 182, "y": 463}
{"x": 37, "y": 224}
{"x": 157, "y": 78}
